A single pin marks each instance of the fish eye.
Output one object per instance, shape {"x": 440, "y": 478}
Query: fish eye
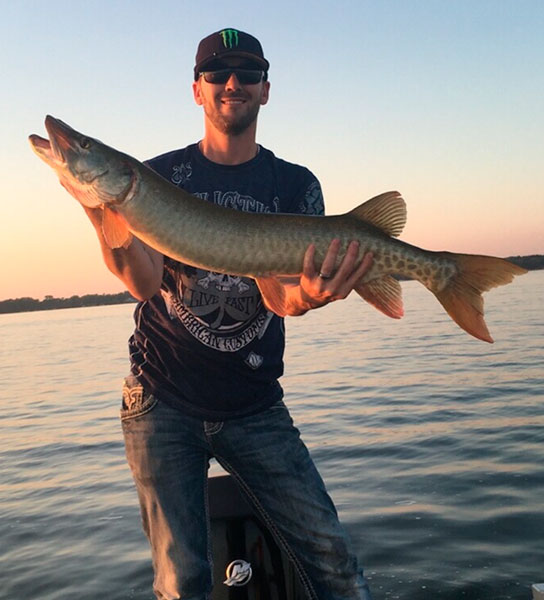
{"x": 85, "y": 143}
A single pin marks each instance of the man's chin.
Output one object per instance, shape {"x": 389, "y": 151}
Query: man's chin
{"x": 234, "y": 119}
{"x": 235, "y": 126}
{"x": 235, "y": 129}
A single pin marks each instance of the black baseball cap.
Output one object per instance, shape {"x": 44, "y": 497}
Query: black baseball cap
{"x": 229, "y": 42}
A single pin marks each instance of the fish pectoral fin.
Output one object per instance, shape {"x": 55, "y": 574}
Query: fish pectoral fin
{"x": 273, "y": 292}
{"x": 385, "y": 294}
{"x": 386, "y": 211}
{"x": 115, "y": 229}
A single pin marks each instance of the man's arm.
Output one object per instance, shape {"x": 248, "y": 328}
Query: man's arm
{"x": 313, "y": 290}
{"x": 139, "y": 267}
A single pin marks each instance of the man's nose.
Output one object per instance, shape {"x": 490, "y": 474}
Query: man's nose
{"x": 233, "y": 83}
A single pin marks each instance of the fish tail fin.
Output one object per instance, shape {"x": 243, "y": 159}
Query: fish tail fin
{"x": 462, "y": 296}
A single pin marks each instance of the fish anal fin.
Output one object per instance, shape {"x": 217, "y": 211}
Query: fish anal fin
{"x": 115, "y": 229}
{"x": 385, "y": 294}
{"x": 386, "y": 212}
{"x": 273, "y": 293}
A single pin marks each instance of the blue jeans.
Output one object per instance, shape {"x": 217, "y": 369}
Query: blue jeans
{"x": 168, "y": 453}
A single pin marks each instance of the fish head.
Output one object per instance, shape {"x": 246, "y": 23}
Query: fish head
{"x": 92, "y": 172}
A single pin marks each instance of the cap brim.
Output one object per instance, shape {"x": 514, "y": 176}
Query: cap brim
{"x": 261, "y": 62}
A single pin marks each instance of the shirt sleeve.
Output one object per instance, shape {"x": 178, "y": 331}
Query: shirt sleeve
{"x": 312, "y": 202}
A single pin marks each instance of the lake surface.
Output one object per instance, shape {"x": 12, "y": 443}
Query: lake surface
{"x": 431, "y": 444}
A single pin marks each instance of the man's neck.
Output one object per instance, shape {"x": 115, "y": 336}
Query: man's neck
{"x": 229, "y": 150}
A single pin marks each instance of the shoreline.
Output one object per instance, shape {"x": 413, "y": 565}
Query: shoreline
{"x": 534, "y": 262}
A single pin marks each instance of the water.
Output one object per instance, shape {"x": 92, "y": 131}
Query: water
{"x": 431, "y": 444}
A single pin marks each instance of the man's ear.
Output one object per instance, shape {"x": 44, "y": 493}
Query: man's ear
{"x": 197, "y": 92}
{"x": 265, "y": 93}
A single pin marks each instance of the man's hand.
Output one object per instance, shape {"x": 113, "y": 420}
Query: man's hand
{"x": 319, "y": 287}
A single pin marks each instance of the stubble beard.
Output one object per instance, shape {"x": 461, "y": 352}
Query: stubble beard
{"x": 232, "y": 124}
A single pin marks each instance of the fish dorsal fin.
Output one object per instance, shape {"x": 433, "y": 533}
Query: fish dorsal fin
{"x": 386, "y": 211}
{"x": 115, "y": 229}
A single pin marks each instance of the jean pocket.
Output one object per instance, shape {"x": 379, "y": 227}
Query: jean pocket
{"x": 136, "y": 401}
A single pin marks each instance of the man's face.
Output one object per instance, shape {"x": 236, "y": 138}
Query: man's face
{"x": 232, "y": 106}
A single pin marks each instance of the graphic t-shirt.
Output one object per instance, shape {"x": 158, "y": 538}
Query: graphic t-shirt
{"x": 206, "y": 343}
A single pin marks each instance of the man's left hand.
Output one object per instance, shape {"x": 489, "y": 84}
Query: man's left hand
{"x": 321, "y": 286}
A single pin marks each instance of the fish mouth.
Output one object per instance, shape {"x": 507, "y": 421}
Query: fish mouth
{"x": 61, "y": 139}
{"x": 42, "y": 147}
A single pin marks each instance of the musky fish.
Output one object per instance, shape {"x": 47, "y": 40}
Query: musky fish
{"x": 267, "y": 247}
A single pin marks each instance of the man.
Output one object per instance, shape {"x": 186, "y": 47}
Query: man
{"x": 206, "y": 353}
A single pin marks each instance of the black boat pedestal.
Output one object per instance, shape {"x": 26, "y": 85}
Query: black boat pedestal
{"x": 248, "y": 563}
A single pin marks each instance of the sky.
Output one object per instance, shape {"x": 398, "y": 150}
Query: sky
{"x": 440, "y": 100}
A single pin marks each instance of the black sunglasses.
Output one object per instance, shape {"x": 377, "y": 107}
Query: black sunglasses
{"x": 244, "y": 76}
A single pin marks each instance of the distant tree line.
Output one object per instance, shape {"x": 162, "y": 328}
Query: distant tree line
{"x": 49, "y": 302}
{"x": 533, "y": 262}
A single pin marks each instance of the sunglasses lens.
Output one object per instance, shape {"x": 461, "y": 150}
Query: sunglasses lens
{"x": 244, "y": 76}
{"x": 249, "y": 77}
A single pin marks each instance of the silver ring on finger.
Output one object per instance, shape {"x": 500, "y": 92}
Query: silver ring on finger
{"x": 324, "y": 276}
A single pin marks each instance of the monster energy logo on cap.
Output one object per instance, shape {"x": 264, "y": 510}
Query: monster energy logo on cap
{"x": 230, "y": 38}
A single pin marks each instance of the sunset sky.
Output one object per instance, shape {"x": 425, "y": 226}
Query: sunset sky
{"x": 440, "y": 100}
